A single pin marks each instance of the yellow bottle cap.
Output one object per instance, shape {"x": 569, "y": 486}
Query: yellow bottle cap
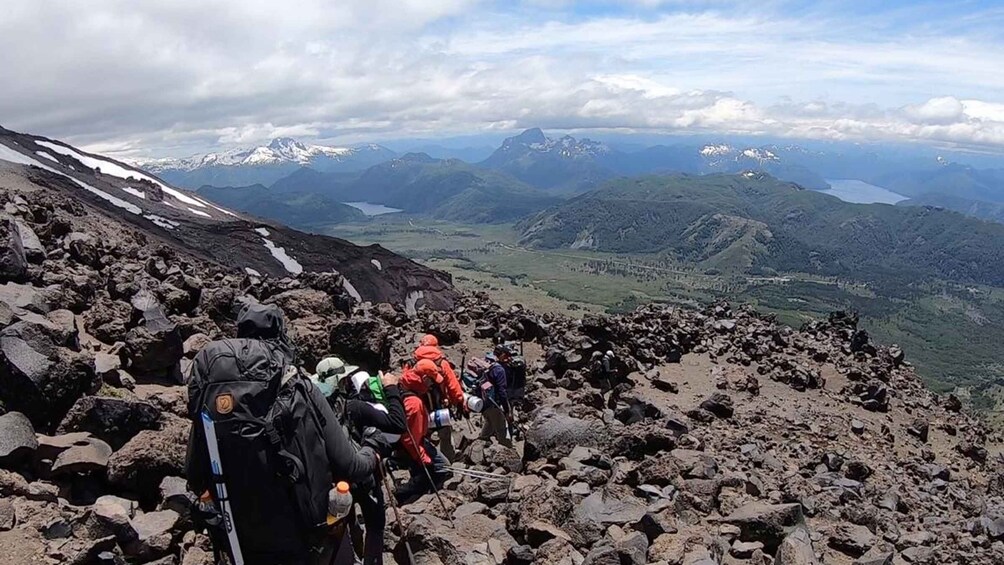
{"x": 342, "y": 487}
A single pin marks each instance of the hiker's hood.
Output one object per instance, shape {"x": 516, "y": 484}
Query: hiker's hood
{"x": 410, "y": 380}
{"x": 430, "y": 352}
{"x": 261, "y": 321}
{"x": 265, "y": 322}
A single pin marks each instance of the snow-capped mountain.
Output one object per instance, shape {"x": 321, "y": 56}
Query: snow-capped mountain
{"x": 280, "y": 150}
{"x": 264, "y": 164}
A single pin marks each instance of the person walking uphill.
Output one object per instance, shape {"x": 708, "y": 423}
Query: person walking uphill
{"x": 363, "y": 402}
{"x": 267, "y": 449}
{"x": 448, "y": 394}
{"x": 497, "y": 411}
{"x": 424, "y": 461}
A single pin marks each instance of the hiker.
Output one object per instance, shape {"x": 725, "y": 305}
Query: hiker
{"x": 362, "y": 402}
{"x": 267, "y": 449}
{"x": 448, "y": 394}
{"x": 428, "y": 467}
{"x": 494, "y": 388}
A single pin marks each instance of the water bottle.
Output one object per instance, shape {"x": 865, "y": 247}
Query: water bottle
{"x": 474, "y": 404}
{"x": 339, "y": 502}
{"x": 440, "y": 419}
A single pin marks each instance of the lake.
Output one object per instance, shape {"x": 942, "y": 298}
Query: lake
{"x": 371, "y": 209}
{"x": 860, "y": 192}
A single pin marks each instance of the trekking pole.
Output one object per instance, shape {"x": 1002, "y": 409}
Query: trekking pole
{"x": 432, "y": 484}
{"x": 397, "y": 512}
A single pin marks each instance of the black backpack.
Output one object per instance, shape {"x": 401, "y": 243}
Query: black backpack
{"x": 270, "y": 436}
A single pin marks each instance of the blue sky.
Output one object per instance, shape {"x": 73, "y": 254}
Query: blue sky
{"x": 181, "y": 77}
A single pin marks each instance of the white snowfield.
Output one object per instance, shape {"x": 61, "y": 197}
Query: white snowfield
{"x": 376, "y": 263}
{"x": 116, "y": 170}
{"x": 262, "y": 232}
{"x": 288, "y": 262}
{"x": 716, "y": 150}
{"x": 47, "y": 156}
{"x": 8, "y": 154}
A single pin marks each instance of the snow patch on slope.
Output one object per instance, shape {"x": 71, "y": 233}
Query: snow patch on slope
{"x": 116, "y": 170}
{"x": 252, "y": 272}
{"x": 351, "y": 289}
{"x": 134, "y": 192}
{"x": 376, "y": 264}
{"x": 47, "y": 156}
{"x": 288, "y": 262}
{"x": 411, "y": 302}
{"x": 262, "y": 232}
{"x": 200, "y": 213}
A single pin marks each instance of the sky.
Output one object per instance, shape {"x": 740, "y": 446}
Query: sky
{"x": 180, "y": 77}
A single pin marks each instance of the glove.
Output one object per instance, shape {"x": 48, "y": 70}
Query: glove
{"x": 459, "y": 413}
{"x": 375, "y": 440}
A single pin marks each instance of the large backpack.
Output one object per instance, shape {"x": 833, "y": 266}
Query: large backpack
{"x": 270, "y": 437}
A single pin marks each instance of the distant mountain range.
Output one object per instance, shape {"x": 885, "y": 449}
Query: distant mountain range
{"x": 531, "y": 171}
{"x": 754, "y": 223}
{"x": 264, "y": 164}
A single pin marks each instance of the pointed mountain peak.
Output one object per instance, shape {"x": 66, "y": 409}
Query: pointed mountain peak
{"x": 531, "y": 136}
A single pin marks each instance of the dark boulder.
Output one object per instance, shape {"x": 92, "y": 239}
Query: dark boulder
{"x": 154, "y": 346}
{"x": 17, "y": 438}
{"x": 114, "y": 420}
{"x": 364, "y": 342}
{"x": 39, "y": 378}
{"x": 13, "y": 263}
{"x": 142, "y": 463}
{"x": 552, "y": 435}
{"x": 719, "y": 404}
{"x": 766, "y": 523}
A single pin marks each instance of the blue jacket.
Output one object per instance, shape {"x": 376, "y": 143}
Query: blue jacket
{"x": 499, "y": 378}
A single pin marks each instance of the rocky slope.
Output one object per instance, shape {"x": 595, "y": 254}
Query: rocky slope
{"x": 124, "y": 206}
{"x": 721, "y": 438}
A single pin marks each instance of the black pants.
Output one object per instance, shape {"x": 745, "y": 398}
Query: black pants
{"x": 371, "y": 504}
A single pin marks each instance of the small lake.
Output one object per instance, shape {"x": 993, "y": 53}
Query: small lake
{"x": 860, "y": 192}
{"x": 371, "y": 209}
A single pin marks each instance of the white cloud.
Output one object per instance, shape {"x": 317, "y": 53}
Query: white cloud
{"x": 182, "y": 76}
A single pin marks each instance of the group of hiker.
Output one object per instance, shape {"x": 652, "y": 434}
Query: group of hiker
{"x": 282, "y": 458}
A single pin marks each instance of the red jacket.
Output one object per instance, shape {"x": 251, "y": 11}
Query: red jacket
{"x": 416, "y": 415}
{"x": 450, "y": 389}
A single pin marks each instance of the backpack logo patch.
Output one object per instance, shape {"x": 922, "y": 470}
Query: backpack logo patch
{"x": 224, "y": 403}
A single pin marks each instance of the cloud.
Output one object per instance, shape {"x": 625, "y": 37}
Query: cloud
{"x": 185, "y": 76}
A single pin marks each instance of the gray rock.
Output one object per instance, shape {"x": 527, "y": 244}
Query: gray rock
{"x": 146, "y": 459}
{"x": 105, "y": 364}
{"x": 719, "y": 404}
{"x": 918, "y": 554}
{"x": 13, "y": 263}
{"x": 8, "y": 516}
{"x": 17, "y": 438}
{"x": 34, "y": 251}
{"x": 113, "y": 515}
{"x": 744, "y": 549}
{"x": 154, "y": 534}
{"x": 796, "y": 548}
{"x": 466, "y": 509}
{"x": 767, "y": 523}
{"x": 87, "y": 456}
{"x": 606, "y": 508}
{"x": 114, "y": 420}
{"x": 852, "y": 539}
{"x": 174, "y": 495}
{"x": 876, "y": 556}
{"x": 633, "y": 548}
{"x": 552, "y": 435}
{"x": 539, "y": 532}
{"x": 602, "y": 555}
